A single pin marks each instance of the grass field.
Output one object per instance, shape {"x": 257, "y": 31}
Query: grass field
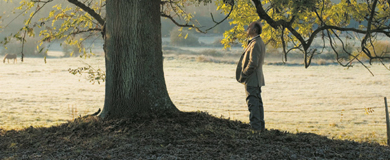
{"x": 327, "y": 100}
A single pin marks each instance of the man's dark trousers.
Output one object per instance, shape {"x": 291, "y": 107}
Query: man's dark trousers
{"x": 255, "y": 107}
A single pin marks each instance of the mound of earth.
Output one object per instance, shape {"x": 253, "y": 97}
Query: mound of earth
{"x": 184, "y": 135}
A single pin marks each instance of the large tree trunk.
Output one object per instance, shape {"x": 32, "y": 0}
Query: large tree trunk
{"x": 135, "y": 81}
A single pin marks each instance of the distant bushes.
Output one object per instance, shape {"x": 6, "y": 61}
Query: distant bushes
{"x": 183, "y": 38}
{"x": 71, "y": 50}
{"x": 212, "y": 52}
{"x": 382, "y": 48}
{"x": 344, "y": 53}
{"x": 30, "y": 48}
{"x": 203, "y": 58}
{"x": 217, "y": 43}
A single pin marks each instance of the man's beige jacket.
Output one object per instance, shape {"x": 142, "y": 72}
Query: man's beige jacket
{"x": 250, "y": 67}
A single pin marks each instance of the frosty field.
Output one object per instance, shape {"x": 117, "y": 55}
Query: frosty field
{"x": 327, "y": 100}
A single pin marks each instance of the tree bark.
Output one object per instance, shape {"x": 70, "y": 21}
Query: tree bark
{"x": 135, "y": 81}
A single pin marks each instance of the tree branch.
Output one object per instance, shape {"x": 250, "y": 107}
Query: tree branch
{"x": 193, "y": 26}
{"x": 217, "y": 23}
{"x": 306, "y": 43}
{"x": 88, "y": 30}
{"x": 368, "y": 34}
{"x": 26, "y": 28}
{"x": 263, "y": 15}
{"x": 89, "y": 10}
{"x": 277, "y": 24}
{"x": 181, "y": 25}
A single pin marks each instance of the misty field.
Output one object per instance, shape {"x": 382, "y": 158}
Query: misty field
{"x": 328, "y": 100}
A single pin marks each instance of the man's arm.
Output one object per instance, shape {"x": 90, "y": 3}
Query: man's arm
{"x": 253, "y": 60}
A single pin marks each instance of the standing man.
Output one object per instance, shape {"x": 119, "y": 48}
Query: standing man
{"x": 250, "y": 73}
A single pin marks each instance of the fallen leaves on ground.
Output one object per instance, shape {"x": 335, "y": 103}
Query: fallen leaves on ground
{"x": 183, "y": 135}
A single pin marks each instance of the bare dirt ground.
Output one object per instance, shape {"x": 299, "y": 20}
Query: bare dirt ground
{"x": 327, "y": 100}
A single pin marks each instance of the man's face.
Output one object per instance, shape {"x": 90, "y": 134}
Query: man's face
{"x": 250, "y": 31}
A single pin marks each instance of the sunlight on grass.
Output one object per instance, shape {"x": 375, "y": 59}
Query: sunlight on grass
{"x": 327, "y": 100}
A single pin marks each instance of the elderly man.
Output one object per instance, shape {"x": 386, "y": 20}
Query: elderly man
{"x": 250, "y": 73}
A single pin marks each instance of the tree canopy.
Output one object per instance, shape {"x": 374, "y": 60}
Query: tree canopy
{"x": 66, "y": 21}
{"x": 294, "y": 25}
{"x": 290, "y": 25}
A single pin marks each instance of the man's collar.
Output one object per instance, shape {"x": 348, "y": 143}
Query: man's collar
{"x": 253, "y": 38}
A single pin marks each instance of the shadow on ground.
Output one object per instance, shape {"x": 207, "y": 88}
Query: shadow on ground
{"x": 185, "y": 135}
